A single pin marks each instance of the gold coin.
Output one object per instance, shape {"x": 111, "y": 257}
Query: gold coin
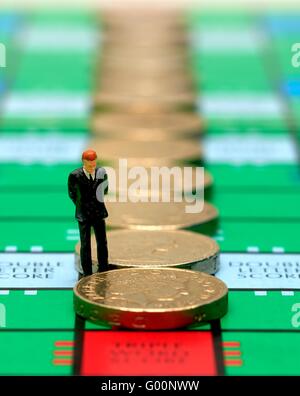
{"x": 133, "y": 52}
{"x": 137, "y": 32}
{"x": 177, "y": 61}
{"x": 145, "y": 103}
{"x": 124, "y": 37}
{"x": 151, "y": 299}
{"x": 145, "y": 249}
{"x": 138, "y": 78}
{"x": 142, "y": 84}
{"x": 170, "y": 65}
{"x": 146, "y": 27}
{"x": 158, "y": 215}
{"x": 131, "y": 55}
{"x": 134, "y": 77}
{"x": 132, "y": 18}
{"x": 120, "y": 62}
{"x": 161, "y": 153}
{"x": 147, "y": 127}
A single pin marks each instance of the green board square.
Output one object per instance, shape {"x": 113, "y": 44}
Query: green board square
{"x": 47, "y": 309}
{"x": 238, "y": 235}
{"x": 273, "y": 311}
{"x": 33, "y": 176}
{"x": 260, "y": 205}
{"x": 271, "y": 177}
{"x": 50, "y": 236}
{"x": 25, "y": 205}
{"x": 33, "y": 353}
{"x": 267, "y": 353}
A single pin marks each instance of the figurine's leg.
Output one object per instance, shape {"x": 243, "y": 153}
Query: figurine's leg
{"x": 102, "y": 252}
{"x": 85, "y": 249}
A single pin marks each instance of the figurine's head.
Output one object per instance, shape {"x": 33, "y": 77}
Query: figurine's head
{"x": 89, "y": 159}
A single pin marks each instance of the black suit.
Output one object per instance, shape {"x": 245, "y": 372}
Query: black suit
{"x": 90, "y": 212}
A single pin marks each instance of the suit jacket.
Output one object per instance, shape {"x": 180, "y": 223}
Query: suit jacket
{"x": 87, "y": 195}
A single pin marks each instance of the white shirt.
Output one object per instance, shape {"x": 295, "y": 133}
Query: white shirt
{"x": 87, "y": 174}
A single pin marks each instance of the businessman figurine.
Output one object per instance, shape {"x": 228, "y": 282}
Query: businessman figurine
{"x": 87, "y": 186}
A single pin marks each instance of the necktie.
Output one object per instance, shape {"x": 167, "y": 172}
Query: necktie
{"x": 91, "y": 178}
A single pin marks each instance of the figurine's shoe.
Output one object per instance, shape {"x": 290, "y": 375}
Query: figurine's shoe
{"x": 103, "y": 269}
{"x": 87, "y": 274}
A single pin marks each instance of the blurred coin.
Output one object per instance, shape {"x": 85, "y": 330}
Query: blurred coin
{"x": 145, "y": 103}
{"x": 151, "y": 299}
{"x": 138, "y": 85}
{"x": 135, "y": 52}
{"x": 146, "y": 65}
{"x": 134, "y": 16}
{"x": 161, "y": 153}
{"x": 138, "y": 76}
{"x": 147, "y": 127}
{"x": 134, "y": 32}
{"x": 119, "y": 38}
{"x": 159, "y": 215}
{"x": 149, "y": 60}
{"x": 144, "y": 249}
{"x": 142, "y": 89}
{"x": 145, "y": 27}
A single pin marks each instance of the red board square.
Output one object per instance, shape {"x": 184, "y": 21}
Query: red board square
{"x": 148, "y": 353}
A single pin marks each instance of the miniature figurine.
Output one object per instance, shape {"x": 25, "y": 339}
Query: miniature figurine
{"x": 84, "y": 185}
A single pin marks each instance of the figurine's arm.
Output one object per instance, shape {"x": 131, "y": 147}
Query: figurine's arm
{"x": 72, "y": 188}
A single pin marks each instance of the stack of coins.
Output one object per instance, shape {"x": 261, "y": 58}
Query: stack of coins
{"x": 145, "y": 114}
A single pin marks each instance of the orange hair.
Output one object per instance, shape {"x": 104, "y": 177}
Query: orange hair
{"x": 89, "y": 155}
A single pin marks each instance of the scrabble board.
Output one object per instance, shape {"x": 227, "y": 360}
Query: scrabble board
{"x": 248, "y": 81}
